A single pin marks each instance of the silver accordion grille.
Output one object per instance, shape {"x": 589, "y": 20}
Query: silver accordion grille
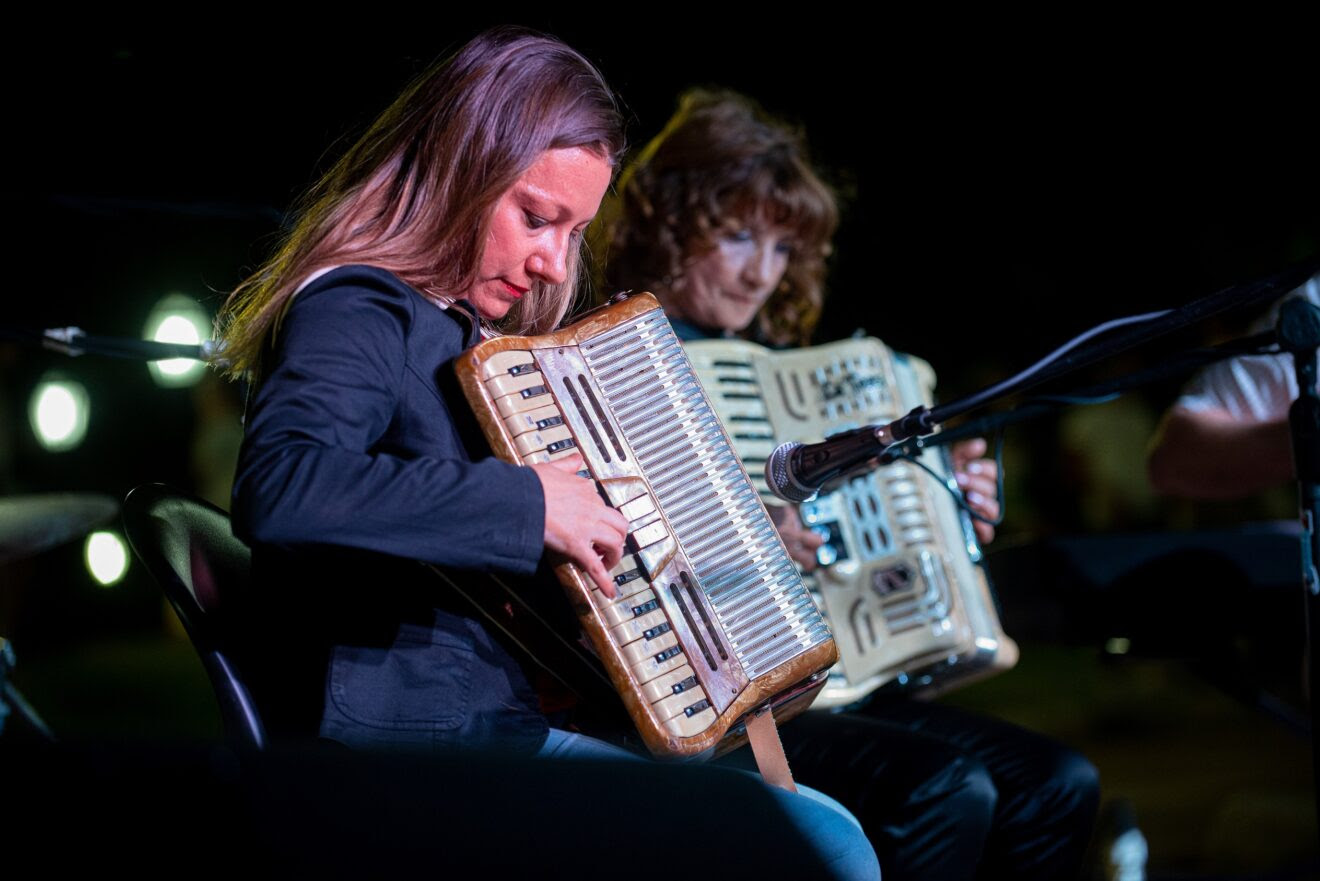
{"x": 766, "y": 612}
{"x": 898, "y": 577}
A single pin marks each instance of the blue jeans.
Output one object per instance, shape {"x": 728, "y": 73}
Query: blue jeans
{"x": 829, "y": 828}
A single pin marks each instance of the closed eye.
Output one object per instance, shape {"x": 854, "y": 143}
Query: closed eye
{"x": 534, "y": 221}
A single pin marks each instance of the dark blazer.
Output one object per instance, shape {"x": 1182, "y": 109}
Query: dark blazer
{"x": 354, "y": 468}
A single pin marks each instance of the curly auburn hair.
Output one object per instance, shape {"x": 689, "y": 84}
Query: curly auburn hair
{"x": 720, "y": 163}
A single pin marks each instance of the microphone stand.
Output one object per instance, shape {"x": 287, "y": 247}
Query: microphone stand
{"x": 1180, "y": 364}
{"x": 75, "y": 342}
{"x": 1299, "y": 333}
{"x": 1265, "y": 290}
{"x": 795, "y": 472}
{"x": 12, "y": 700}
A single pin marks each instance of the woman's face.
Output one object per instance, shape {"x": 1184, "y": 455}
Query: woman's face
{"x": 534, "y": 226}
{"x": 724, "y": 288}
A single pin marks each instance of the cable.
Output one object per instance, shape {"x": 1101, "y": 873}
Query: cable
{"x": 959, "y": 500}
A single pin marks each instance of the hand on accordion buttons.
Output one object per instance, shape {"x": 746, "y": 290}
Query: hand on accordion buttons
{"x": 800, "y": 541}
{"x": 578, "y": 523}
{"x": 979, "y": 479}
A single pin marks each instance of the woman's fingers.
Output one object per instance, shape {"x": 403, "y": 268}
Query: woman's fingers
{"x": 978, "y": 478}
{"x": 965, "y": 451}
{"x": 571, "y": 464}
{"x": 578, "y": 523}
{"x": 800, "y": 542}
{"x": 589, "y": 561}
{"x": 980, "y": 485}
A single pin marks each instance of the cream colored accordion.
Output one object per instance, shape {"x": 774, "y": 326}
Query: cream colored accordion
{"x": 900, "y": 582}
{"x": 712, "y": 620}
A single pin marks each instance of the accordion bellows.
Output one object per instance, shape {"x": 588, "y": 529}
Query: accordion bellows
{"x": 712, "y": 619}
{"x": 910, "y": 606}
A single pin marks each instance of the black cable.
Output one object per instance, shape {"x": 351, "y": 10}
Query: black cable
{"x": 915, "y": 458}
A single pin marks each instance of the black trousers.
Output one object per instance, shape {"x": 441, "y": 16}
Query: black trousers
{"x": 946, "y": 794}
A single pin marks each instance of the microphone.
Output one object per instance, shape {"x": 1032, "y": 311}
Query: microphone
{"x": 796, "y": 472}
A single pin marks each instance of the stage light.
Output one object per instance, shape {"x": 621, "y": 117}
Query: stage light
{"x": 106, "y": 557}
{"x": 58, "y": 412}
{"x": 177, "y": 319}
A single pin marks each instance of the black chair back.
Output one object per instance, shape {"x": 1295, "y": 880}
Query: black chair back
{"x": 189, "y": 548}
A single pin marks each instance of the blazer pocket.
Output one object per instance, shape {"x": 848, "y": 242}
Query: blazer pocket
{"x": 422, "y": 682}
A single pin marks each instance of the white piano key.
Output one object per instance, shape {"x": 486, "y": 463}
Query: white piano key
{"x": 636, "y": 628}
{"x": 663, "y": 686}
{"x": 501, "y": 362}
{"x": 533, "y": 441}
{"x": 502, "y": 385}
{"x": 689, "y": 726}
{"x": 669, "y": 707}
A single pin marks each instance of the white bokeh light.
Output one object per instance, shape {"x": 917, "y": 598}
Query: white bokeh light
{"x": 177, "y": 319}
{"x": 58, "y": 412}
{"x": 106, "y": 557}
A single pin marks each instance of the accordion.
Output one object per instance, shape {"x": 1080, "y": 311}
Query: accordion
{"x": 900, "y": 578}
{"x": 712, "y": 621}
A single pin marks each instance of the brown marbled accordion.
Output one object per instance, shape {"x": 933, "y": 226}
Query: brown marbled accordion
{"x": 712, "y": 619}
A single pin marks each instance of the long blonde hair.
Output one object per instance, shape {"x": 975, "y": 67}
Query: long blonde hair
{"x": 414, "y": 195}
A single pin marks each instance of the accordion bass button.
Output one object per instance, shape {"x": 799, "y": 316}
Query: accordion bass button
{"x": 687, "y": 726}
{"x": 662, "y": 686}
{"x": 501, "y": 363}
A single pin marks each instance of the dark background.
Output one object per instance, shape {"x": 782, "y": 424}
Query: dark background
{"x": 1005, "y": 184}
{"x": 1000, "y": 191}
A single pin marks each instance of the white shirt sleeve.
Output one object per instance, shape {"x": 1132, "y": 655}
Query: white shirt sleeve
{"x": 1254, "y": 388}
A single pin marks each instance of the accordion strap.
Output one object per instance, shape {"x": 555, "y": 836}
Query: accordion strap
{"x": 769, "y": 750}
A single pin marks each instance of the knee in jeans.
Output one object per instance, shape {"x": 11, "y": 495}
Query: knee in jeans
{"x": 1075, "y": 782}
{"x": 972, "y": 788}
